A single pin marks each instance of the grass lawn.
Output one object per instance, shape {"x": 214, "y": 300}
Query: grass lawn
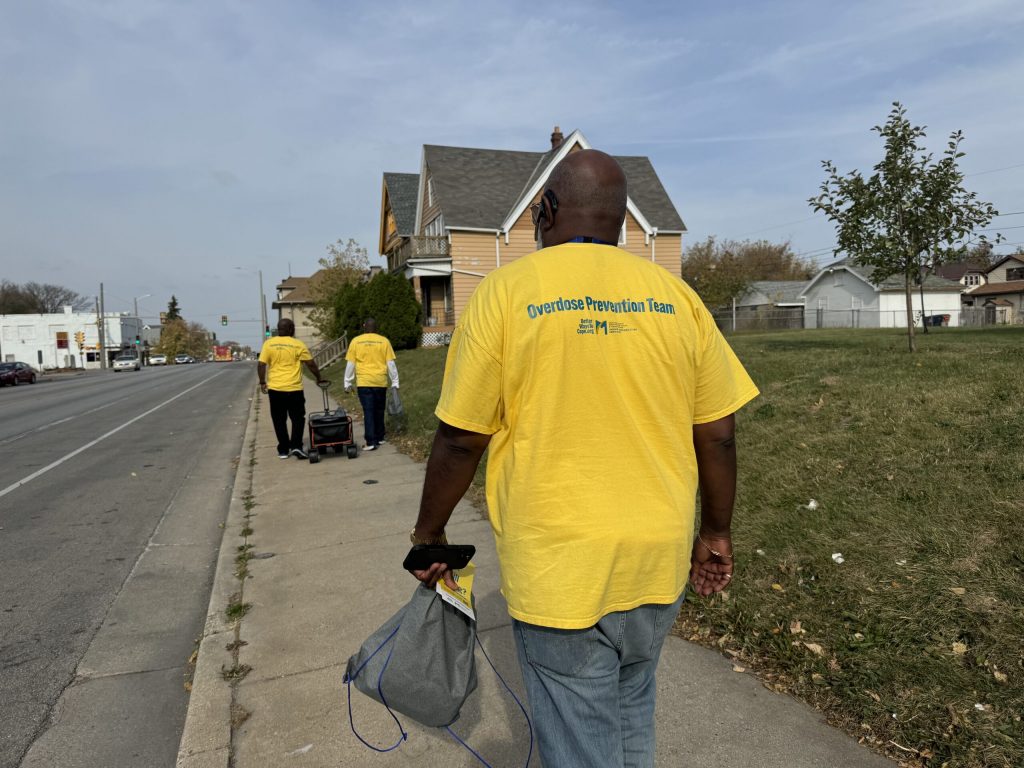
{"x": 915, "y": 642}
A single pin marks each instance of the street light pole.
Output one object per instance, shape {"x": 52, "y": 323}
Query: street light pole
{"x": 263, "y": 306}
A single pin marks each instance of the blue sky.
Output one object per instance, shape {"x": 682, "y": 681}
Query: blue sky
{"x": 179, "y": 147}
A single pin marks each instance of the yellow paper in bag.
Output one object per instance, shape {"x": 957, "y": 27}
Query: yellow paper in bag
{"x": 463, "y": 597}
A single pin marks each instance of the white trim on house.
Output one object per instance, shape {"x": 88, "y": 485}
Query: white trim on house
{"x": 473, "y": 229}
{"x": 574, "y": 138}
{"x": 419, "y": 191}
{"x": 830, "y": 270}
{"x": 427, "y": 269}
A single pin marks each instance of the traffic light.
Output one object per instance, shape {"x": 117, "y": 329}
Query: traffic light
{"x": 266, "y": 331}
{"x": 223, "y": 319}
{"x": 137, "y": 341}
{"x": 80, "y": 337}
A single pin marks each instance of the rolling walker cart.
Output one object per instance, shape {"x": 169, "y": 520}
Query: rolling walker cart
{"x": 330, "y": 429}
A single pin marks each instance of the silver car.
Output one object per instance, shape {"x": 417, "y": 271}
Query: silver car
{"x": 127, "y": 363}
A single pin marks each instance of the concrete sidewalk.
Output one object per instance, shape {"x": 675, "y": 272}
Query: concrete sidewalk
{"x": 327, "y": 544}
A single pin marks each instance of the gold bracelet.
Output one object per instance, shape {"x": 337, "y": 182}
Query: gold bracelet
{"x": 442, "y": 539}
{"x": 712, "y": 551}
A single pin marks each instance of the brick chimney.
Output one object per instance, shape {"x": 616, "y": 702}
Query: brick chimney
{"x": 557, "y": 138}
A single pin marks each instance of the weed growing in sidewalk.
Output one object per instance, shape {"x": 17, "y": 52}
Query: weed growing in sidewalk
{"x": 236, "y": 610}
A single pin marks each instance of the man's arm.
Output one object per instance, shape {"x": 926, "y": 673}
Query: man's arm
{"x": 393, "y": 373}
{"x": 350, "y": 375}
{"x": 314, "y": 369}
{"x": 261, "y": 372}
{"x": 454, "y": 457}
{"x": 715, "y": 446}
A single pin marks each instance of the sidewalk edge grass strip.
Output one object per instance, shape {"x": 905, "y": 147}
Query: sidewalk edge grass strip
{"x": 912, "y": 643}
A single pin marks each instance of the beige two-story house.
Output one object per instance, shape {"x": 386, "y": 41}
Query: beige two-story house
{"x": 1000, "y": 299}
{"x": 466, "y": 213}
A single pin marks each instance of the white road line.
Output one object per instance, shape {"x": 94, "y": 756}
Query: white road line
{"x": 61, "y": 421}
{"x": 101, "y": 438}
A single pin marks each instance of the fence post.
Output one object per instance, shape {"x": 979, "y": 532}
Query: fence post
{"x": 734, "y": 314}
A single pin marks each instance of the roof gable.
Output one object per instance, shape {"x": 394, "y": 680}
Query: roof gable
{"x": 1012, "y": 257}
{"x": 891, "y": 283}
{"x": 489, "y": 189}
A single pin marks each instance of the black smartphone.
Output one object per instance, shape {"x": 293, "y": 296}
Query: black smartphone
{"x": 422, "y": 556}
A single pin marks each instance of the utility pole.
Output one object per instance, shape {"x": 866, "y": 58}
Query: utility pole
{"x": 263, "y": 306}
{"x": 100, "y": 328}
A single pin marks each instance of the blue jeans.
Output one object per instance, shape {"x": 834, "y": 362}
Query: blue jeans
{"x": 591, "y": 691}
{"x": 373, "y": 400}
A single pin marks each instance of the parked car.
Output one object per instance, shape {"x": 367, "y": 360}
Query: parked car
{"x": 158, "y": 359}
{"x": 16, "y": 373}
{"x": 183, "y": 359}
{"x": 127, "y": 363}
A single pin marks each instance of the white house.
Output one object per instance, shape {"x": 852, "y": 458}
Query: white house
{"x": 49, "y": 341}
{"x": 843, "y": 295}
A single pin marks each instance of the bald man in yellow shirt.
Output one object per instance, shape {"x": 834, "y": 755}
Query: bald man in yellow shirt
{"x": 605, "y": 394}
{"x": 280, "y": 374}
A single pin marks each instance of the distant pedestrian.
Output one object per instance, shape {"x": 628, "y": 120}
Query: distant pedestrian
{"x": 606, "y": 395}
{"x": 280, "y": 373}
{"x": 371, "y": 362}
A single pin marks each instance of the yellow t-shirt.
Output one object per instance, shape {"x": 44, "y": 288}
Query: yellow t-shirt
{"x": 283, "y": 356}
{"x": 370, "y": 352}
{"x": 589, "y": 366}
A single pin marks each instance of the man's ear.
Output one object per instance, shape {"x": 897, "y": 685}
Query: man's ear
{"x": 548, "y": 219}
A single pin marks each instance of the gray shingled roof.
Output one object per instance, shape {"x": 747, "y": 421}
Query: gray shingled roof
{"x": 479, "y": 187}
{"x": 779, "y": 291}
{"x": 402, "y": 191}
{"x": 896, "y": 282}
{"x": 647, "y": 192}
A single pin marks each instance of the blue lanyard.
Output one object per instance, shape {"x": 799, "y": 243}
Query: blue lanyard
{"x": 593, "y": 240}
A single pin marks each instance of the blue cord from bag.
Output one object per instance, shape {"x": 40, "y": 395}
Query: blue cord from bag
{"x": 405, "y": 736}
{"x": 348, "y": 688}
{"x": 515, "y": 698}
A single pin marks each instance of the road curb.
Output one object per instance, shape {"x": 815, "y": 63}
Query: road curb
{"x": 206, "y": 739}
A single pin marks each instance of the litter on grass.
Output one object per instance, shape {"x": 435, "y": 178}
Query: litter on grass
{"x": 812, "y": 505}
{"x": 838, "y": 558}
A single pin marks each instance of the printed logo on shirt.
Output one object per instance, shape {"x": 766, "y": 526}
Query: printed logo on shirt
{"x": 590, "y": 327}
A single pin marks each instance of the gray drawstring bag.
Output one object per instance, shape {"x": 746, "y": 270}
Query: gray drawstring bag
{"x": 394, "y": 404}
{"x": 420, "y": 662}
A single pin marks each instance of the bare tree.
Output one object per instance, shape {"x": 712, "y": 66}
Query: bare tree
{"x": 37, "y": 298}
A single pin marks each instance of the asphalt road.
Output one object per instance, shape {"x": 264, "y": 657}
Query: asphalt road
{"x": 113, "y": 490}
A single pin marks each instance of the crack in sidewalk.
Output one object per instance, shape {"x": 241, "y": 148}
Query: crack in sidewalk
{"x": 237, "y": 607}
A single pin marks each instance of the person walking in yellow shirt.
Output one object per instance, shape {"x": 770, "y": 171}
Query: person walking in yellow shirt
{"x": 280, "y": 375}
{"x": 605, "y": 394}
{"x": 370, "y": 362}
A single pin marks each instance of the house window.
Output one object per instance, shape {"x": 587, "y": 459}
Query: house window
{"x": 837, "y": 278}
{"x": 1015, "y": 273}
{"x": 972, "y": 279}
{"x": 823, "y": 302}
{"x": 856, "y": 302}
{"x": 430, "y": 191}
{"x": 436, "y": 227}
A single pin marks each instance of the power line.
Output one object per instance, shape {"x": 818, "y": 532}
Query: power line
{"x": 776, "y": 226}
{"x": 999, "y": 229}
{"x": 995, "y": 170}
{"x": 1015, "y": 213}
